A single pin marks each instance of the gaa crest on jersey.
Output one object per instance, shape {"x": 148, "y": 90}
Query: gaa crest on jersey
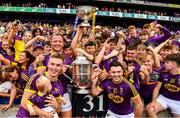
{"x": 115, "y": 90}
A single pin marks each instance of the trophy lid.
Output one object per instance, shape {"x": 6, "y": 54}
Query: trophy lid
{"x": 81, "y": 60}
{"x": 87, "y": 8}
{"x": 86, "y": 12}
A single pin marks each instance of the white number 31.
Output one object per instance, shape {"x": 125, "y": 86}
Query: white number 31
{"x": 91, "y": 104}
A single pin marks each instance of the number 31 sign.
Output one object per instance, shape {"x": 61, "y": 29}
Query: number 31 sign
{"x": 88, "y": 106}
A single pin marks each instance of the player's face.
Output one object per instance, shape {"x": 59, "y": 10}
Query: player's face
{"x": 55, "y": 66}
{"x": 5, "y": 45}
{"x": 169, "y": 65}
{"x": 132, "y": 32}
{"x": 131, "y": 54}
{"x": 90, "y": 49}
{"x": 68, "y": 51}
{"x": 165, "y": 52}
{"x": 23, "y": 58}
{"x": 141, "y": 52}
{"x": 148, "y": 62}
{"x": 116, "y": 73}
{"x": 27, "y": 37}
{"x": 57, "y": 43}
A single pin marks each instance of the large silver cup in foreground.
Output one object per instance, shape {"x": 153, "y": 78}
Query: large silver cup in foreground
{"x": 82, "y": 74}
{"x": 86, "y": 13}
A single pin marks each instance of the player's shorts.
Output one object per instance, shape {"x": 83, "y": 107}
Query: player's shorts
{"x": 110, "y": 114}
{"x": 67, "y": 106}
{"x": 173, "y": 105}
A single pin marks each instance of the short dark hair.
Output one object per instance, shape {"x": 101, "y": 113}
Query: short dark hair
{"x": 67, "y": 45}
{"x": 85, "y": 36}
{"x": 116, "y": 64}
{"x": 47, "y": 43}
{"x": 167, "y": 47}
{"x": 114, "y": 40}
{"x": 35, "y": 30}
{"x": 174, "y": 57}
{"x": 132, "y": 47}
{"x": 144, "y": 32}
{"x": 90, "y": 43}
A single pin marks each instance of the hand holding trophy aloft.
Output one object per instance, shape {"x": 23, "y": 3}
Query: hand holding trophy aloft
{"x": 81, "y": 66}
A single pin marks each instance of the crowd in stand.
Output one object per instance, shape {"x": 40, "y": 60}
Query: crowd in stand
{"x": 133, "y": 64}
{"x": 113, "y": 9}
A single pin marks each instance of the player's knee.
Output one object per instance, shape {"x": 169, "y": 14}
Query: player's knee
{"x": 151, "y": 110}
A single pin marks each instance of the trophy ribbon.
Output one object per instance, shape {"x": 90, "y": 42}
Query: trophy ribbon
{"x": 75, "y": 24}
{"x": 93, "y": 22}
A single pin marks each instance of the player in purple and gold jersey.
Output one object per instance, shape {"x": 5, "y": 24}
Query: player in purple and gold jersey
{"x": 167, "y": 92}
{"x": 120, "y": 93}
{"x": 55, "y": 65}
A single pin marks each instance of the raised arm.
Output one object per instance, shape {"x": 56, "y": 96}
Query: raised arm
{"x": 76, "y": 38}
{"x": 89, "y": 56}
{"x": 156, "y": 57}
{"x": 95, "y": 89}
{"x": 99, "y": 57}
{"x": 112, "y": 54}
{"x": 121, "y": 39}
{"x": 164, "y": 37}
{"x": 11, "y": 34}
{"x": 30, "y": 43}
{"x": 159, "y": 47}
{"x": 121, "y": 49}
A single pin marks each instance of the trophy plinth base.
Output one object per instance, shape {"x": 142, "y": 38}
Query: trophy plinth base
{"x": 82, "y": 91}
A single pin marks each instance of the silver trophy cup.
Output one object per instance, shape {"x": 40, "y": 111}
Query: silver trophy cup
{"x": 82, "y": 69}
{"x": 86, "y": 13}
